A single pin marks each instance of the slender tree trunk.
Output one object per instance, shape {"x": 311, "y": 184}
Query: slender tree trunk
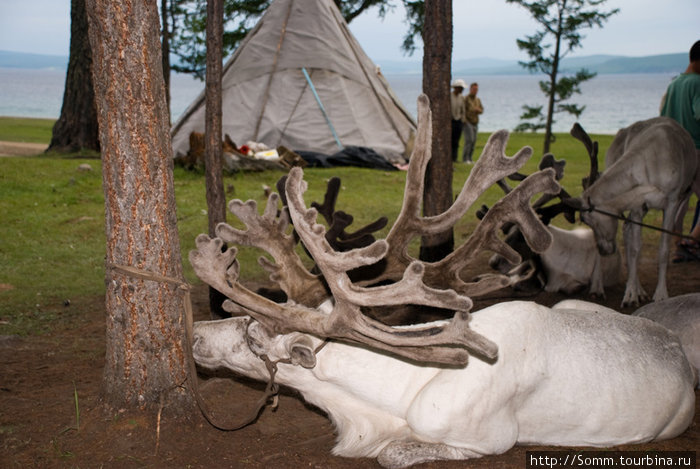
{"x": 216, "y": 198}
{"x": 147, "y": 362}
{"x": 216, "y": 202}
{"x": 437, "y": 71}
{"x": 76, "y": 128}
{"x": 165, "y": 45}
{"x": 550, "y": 110}
{"x": 553, "y": 82}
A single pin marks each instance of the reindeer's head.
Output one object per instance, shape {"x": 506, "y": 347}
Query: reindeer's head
{"x": 239, "y": 344}
{"x": 604, "y": 227}
{"x": 222, "y": 344}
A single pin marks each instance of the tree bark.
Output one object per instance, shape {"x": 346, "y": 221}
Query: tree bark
{"x": 437, "y": 71}
{"x": 147, "y": 358}
{"x": 216, "y": 202}
{"x": 213, "y": 165}
{"x": 165, "y": 45}
{"x": 553, "y": 82}
{"x": 76, "y": 128}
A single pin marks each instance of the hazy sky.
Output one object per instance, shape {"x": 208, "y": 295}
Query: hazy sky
{"x": 482, "y": 28}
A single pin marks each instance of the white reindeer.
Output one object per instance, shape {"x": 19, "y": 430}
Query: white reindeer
{"x": 650, "y": 164}
{"x": 474, "y": 385}
{"x": 572, "y": 261}
{"x": 562, "y": 377}
{"x": 681, "y": 315}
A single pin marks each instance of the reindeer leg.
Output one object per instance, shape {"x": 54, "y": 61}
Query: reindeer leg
{"x": 399, "y": 454}
{"x": 597, "y": 287}
{"x": 632, "y": 234}
{"x": 661, "y": 292}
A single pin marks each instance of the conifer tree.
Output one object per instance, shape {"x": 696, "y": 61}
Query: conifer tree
{"x": 561, "y": 22}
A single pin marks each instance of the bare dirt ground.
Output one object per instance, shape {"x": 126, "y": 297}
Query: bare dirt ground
{"x": 40, "y": 376}
{"x": 21, "y": 148}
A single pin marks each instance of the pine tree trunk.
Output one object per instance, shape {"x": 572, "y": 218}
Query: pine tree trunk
{"x": 216, "y": 198}
{"x": 165, "y": 41}
{"x": 216, "y": 202}
{"x": 437, "y": 71}
{"x": 147, "y": 358}
{"x": 76, "y": 128}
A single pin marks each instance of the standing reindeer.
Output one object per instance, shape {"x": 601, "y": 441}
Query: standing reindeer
{"x": 457, "y": 389}
{"x": 650, "y": 164}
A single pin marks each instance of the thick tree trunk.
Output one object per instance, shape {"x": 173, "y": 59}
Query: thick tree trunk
{"x": 76, "y": 128}
{"x": 147, "y": 361}
{"x": 437, "y": 71}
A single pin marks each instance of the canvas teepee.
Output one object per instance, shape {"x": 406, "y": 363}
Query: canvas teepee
{"x": 300, "y": 79}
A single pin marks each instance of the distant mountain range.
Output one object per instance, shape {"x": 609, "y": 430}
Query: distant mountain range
{"x": 33, "y": 61}
{"x": 667, "y": 63}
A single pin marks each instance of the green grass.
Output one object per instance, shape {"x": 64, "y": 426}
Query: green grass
{"x": 52, "y": 241}
{"x": 14, "y": 129}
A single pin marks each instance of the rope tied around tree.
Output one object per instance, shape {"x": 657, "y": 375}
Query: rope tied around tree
{"x": 272, "y": 388}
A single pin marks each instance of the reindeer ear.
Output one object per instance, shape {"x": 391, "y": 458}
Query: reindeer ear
{"x": 301, "y": 351}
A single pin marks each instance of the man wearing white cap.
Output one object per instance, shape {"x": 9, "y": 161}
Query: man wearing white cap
{"x": 457, "y": 105}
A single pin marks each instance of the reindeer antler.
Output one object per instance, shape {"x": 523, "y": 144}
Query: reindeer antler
{"x": 410, "y": 281}
{"x": 545, "y": 212}
{"x": 493, "y": 165}
{"x": 268, "y": 232}
{"x": 592, "y": 148}
{"x": 338, "y": 220}
{"x": 430, "y": 343}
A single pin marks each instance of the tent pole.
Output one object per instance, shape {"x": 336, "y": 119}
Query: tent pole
{"x": 320, "y": 105}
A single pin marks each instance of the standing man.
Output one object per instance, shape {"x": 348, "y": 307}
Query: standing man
{"x": 682, "y": 103}
{"x": 472, "y": 109}
{"x": 457, "y": 106}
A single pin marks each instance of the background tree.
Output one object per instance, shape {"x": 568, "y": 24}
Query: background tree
{"x": 437, "y": 71}
{"x": 216, "y": 203}
{"x": 165, "y": 32}
{"x": 146, "y": 362}
{"x": 213, "y": 158}
{"x": 76, "y": 128}
{"x": 561, "y": 21}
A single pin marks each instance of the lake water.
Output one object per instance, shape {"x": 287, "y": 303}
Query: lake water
{"x": 612, "y": 101}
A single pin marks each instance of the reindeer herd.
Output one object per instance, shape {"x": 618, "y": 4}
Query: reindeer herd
{"x": 476, "y": 382}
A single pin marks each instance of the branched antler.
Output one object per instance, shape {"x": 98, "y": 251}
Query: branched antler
{"x": 404, "y": 280}
{"x": 338, "y": 220}
{"x": 429, "y": 343}
{"x": 545, "y": 212}
{"x": 493, "y": 165}
{"x": 268, "y": 232}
